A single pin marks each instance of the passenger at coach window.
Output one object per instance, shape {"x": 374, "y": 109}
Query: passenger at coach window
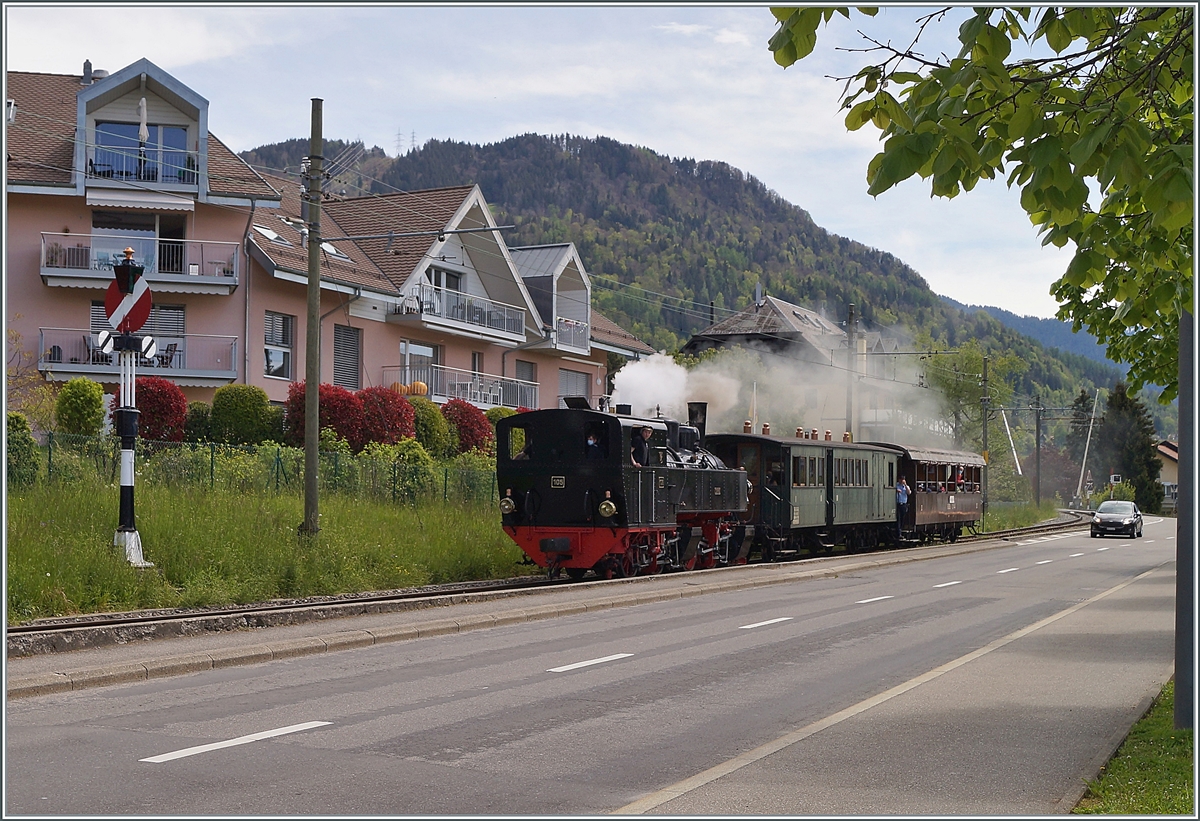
{"x": 901, "y": 504}
{"x": 594, "y": 451}
{"x": 640, "y": 451}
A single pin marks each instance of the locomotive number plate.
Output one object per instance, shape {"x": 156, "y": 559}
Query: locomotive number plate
{"x": 662, "y": 482}
{"x": 717, "y": 490}
{"x": 558, "y": 481}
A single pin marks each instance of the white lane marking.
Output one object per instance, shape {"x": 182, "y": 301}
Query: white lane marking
{"x": 1073, "y": 555}
{"x": 687, "y": 785}
{"x": 764, "y": 623}
{"x": 588, "y": 663}
{"x": 234, "y": 742}
{"x": 877, "y": 598}
{"x": 1148, "y": 541}
{"x": 1046, "y": 561}
{"x": 1101, "y": 549}
{"x": 946, "y": 584}
{"x": 1011, "y": 569}
{"x": 1169, "y": 538}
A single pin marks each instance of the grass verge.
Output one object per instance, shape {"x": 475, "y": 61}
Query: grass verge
{"x": 1151, "y": 774}
{"x": 1005, "y": 517}
{"x": 218, "y": 547}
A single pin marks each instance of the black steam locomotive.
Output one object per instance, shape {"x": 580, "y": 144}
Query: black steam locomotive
{"x": 573, "y": 499}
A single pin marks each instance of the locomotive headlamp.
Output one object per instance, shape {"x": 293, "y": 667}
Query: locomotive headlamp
{"x": 507, "y": 505}
{"x": 608, "y": 508}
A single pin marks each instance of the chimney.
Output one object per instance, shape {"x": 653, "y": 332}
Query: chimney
{"x": 799, "y": 433}
{"x": 87, "y": 73}
{"x": 814, "y": 434}
{"x": 766, "y": 429}
{"x": 846, "y": 436}
{"x": 828, "y": 435}
{"x": 747, "y": 427}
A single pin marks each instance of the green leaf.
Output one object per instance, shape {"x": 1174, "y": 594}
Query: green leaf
{"x": 1020, "y": 121}
{"x": 1058, "y": 36}
{"x": 1087, "y": 143}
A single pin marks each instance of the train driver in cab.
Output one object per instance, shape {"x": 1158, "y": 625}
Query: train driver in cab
{"x": 640, "y": 452}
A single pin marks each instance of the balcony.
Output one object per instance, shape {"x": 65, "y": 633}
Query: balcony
{"x": 443, "y": 384}
{"x": 190, "y": 360}
{"x": 184, "y": 266}
{"x": 168, "y": 168}
{"x": 453, "y": 311}
{"x": 571, "y": 333}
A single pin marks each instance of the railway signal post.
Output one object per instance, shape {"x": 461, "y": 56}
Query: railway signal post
{"x": 127, "y": 305}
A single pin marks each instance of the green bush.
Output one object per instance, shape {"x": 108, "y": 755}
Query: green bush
{"x": 79, "y": 408}
{"x": 22, "y": 452}
{"x": 197, "y": 427}
{"x": 241, "y": 415}
{"x": 433, "y": 431}
{"x": 496, "y": 413}
{"x": 414, "y": 467}
{"x": 472, "y": 475}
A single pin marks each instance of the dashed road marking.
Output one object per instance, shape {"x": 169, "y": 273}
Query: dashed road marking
{"x": 234, "y": 742}
{"x": 588, "y": 663}
{"x": 1101, "y": 549}
{"x": 877, "y": 598}
{"x": 1073, "y": 555}
{"x": 1011, "y": 569}
{"x": 946, "y": 584}
{"x": 1148, "y": 541}
{"x": 764, "y": 623}
{"x": 1046, "y": 561}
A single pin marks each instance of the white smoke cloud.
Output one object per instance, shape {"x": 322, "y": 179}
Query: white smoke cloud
{"x": 789, "y": 393}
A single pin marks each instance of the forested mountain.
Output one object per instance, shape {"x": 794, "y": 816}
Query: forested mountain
{"x": 1052, "y": 333}
{"x": 687, "y": 233}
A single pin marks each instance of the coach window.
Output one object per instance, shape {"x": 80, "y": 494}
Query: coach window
{"x": 775, "y": 472}
{"x": 891, "y": 474}
{"x": 599, "y": 431}
{"x": 520, "y": 447}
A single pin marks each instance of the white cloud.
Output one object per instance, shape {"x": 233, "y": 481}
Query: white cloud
{"x": 687, "y": 30}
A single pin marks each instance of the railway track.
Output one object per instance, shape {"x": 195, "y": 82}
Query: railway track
{"x": 77, "y": 632}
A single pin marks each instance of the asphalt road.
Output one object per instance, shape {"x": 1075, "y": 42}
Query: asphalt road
{"x": 990, "y": 682}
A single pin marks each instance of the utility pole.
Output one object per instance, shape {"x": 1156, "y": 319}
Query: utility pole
{"x": 986, "y": 402}
{"x": 1037, "y": 444}
{"x": 851, "y": 346}
{"x": 1185, "y": 531}
{"x": 312, "y": 350}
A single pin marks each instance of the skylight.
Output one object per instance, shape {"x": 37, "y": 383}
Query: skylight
{"x": 271, "y": 235}
{"x": 334, "y": 252}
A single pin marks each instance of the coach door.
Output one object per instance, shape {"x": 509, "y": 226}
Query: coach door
{"x": 830, "y": 490}
{"x": 748, "y": 460}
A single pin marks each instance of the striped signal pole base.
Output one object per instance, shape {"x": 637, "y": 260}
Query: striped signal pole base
{"x": 126, "y": 421}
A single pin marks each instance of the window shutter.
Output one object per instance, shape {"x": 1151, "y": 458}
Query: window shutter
{"x": 347, "y": 355}
{"x": 573, "y": 383}
{"x": 165, "y": 320}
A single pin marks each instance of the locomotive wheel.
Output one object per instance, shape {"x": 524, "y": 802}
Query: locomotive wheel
{"x": 605, "y": 568}
{"x": 575, "y": 573}
{"x": 627, "y": 566}
{"x": 690, "y": 564}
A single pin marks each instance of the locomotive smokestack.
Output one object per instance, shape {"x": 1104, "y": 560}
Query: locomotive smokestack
{"x": 697, "y": 416}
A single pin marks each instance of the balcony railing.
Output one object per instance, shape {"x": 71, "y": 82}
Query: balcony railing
{"x": 170, "y": 166}
{"x": 468, "y": 309}
{"x": 74, "y": 351}
{"x": 95, "y": 255}
{"x": 441, "y": 383}
{"x": 572, "y": 333}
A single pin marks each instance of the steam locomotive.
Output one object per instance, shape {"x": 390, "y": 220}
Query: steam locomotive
{"x": 576, "y": 507}
{"x": 706, "y": 501}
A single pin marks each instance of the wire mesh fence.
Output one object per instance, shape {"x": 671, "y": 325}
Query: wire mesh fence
{"x": 266, "y": 468}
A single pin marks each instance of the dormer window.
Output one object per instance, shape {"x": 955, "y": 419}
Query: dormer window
{"x": 271, "y": 235}
{"x": 163, "y": 157}
{"x": 444, "y": 279}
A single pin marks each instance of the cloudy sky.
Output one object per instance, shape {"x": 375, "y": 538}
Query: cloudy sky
{"x": 683, "y": 81}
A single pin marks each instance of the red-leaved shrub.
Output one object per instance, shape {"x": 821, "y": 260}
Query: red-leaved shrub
{"x": 474, "y": 430}
{"x": 338, "y": 409}
{"x": 163, "y": 409}
{"x": 387, "y": 416}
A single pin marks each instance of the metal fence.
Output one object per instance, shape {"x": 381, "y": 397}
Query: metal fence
{"x": 267, "y": 468}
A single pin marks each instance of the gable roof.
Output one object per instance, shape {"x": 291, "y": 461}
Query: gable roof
{"x": 41, "y": 140}
{"x": 608, "y": 335}
{"x": 775, "y": 321}
{"x": 406, "y": 212}
{"x": 542, "y": 260}
{"x": 358, "y": 270}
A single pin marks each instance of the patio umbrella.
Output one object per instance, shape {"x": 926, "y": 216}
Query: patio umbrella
{"x": 143, "y": 137}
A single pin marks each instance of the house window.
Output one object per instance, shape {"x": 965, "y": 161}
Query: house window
{"x": 162, "y": 158}
{"x": 476, "y": 362}
{"x": 347, "y": 357}
{"x": 444, "y": 279}
{"x": 156, "y": 240}
{"x": 526, "y": 371}
{"x": 573, "y": 383}
{"x": 279, "y": 336}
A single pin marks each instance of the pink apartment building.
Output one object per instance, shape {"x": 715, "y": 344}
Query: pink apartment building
{"x": 432, "y": 310}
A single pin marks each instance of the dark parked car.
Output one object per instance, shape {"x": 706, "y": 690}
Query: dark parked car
{"x": 1117, "y": 517}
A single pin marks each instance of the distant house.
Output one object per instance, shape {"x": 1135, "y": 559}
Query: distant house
{"x": 784, "y": 331}
{"x": 1168, "y": 452}
{"x": 443, "y": 309}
